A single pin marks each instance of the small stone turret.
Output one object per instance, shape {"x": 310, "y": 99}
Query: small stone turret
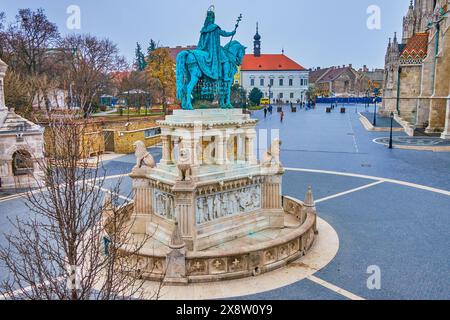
{"x": 176, "y": 259}
{"x": 310, "y": 206}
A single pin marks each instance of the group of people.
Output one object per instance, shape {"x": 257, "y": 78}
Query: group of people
{"x": 303, "y": 105}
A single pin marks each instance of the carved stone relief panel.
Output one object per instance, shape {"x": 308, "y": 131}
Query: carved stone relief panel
{"x": 164, "y": 204}
{"x": 216, "y": 206}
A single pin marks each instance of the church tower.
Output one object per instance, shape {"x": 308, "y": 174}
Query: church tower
{"x": 257, "y": 43}
{"x": 409, "y": 22}
{"x": 423, "y": 11}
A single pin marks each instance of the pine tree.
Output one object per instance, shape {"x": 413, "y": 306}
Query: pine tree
{"x": 151, "y": 47}
{"x": 140, "y": 62}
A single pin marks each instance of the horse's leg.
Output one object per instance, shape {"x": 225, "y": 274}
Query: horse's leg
{"x": 228, "y": 102}
{"x": 195, "y": 76}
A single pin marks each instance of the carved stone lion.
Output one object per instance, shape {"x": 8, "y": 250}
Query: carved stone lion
{"x": 143, "y": 157}
{"x": 184, "y": 166}
{"x": 272, "y": 156}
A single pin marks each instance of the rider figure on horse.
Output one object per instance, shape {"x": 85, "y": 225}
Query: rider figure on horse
{"x": 210, "y": 43}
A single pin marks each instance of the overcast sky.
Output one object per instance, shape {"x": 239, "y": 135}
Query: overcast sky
{"x": 312, "y": 32}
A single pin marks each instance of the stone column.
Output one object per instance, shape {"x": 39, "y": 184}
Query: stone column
{"x": 143, "y": 197}
{"x": 446, "y": 133}
{"x": 241, "y": 147}
{"x": 166, "y": 157}
{"x": 196, "y": 147}
{"x": 250, "y": 156}
{"x": 220, "y": 148}
{"x": 185, "y": 212}
{"x": 272, "y": 201}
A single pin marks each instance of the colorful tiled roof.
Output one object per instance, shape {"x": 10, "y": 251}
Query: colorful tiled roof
{"x": 415, "y": 50}
{"x": 269, "y": 62}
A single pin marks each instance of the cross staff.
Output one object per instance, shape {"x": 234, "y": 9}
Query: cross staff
{"x": 239, "y": 19}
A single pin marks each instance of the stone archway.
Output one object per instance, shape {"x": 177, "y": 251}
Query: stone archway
{"x": 22, "y": 163}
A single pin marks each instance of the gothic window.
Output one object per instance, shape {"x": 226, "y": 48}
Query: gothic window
{"x": 22, "y": 163}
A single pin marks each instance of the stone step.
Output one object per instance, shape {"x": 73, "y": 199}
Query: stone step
{"x": 233, "y": 232}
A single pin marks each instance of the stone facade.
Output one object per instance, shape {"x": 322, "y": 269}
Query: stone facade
{"x": 417, "y": 70}
{"x": 21, "y": 146}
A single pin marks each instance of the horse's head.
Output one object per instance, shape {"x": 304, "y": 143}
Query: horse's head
{"x": 237, "y": 50}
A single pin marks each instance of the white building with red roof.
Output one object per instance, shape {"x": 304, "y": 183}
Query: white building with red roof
{"x": 274, "y": 74}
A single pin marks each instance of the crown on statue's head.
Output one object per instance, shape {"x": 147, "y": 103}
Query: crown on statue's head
{"x": 211, "y": 8}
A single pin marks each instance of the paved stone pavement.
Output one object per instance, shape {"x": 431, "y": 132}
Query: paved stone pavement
{"x": 389, "y": 207}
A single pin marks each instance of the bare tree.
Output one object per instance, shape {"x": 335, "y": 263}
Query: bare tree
{"x": 29, "y": 40}
{"x": 91, "y": 65}
{"x": 76, "y": 244}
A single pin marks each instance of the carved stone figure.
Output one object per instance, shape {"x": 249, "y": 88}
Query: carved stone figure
{"x": 217, "y": 207}
{"x": 200, "y": 211}
{"x": 143, "y": 157}
{"x": 184, "y": 166}
{"x": 164, "y": 204}
{"x": 229, "y": 203}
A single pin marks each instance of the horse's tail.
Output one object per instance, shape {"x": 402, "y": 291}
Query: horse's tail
{"x": 182, "y": 73}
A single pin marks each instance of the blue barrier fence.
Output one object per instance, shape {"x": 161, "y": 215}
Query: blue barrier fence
{"x": 362, "y": 100}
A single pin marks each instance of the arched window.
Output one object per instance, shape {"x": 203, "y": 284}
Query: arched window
{"x": 22, "y": 163}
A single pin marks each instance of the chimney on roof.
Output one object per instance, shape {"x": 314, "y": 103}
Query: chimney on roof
{"x": 350, "y": 66}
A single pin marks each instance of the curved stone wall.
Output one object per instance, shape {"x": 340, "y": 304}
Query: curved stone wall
{"x": 246, "y": 261}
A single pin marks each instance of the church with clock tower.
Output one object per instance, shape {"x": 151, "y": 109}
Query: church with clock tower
{"x": 417, "y": 70}
{"x": 276, "y": 75}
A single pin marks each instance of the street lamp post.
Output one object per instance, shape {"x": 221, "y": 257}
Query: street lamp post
{"x": 392, "y": 125}
{"x": 375, "y": 94}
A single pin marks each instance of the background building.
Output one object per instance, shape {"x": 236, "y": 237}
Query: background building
{"x": 21, "y": 146}
{"x": 344, "y": 81}
{"x": 283, "y": 77}
{"x": 417, "y": 70}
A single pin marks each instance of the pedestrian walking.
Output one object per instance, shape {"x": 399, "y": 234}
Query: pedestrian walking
{"x": 281, "y": 116}
{"x": 265, "y": 112}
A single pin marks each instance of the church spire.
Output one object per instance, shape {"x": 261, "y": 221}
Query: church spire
{"x": 257, "y": 42}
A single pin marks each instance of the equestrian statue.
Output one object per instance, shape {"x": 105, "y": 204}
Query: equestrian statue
{"x": 215, "y": 65}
